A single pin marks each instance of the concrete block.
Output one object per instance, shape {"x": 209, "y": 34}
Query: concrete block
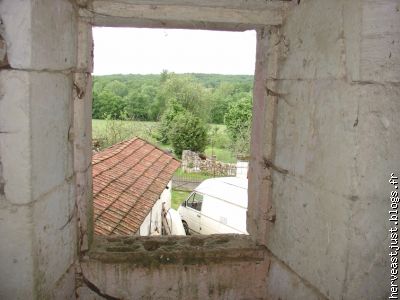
{"x": 315, "y": 133}
{"x": 84, "y": 202}
{"x": 380, "y": 58}
{"x": 36, "y": 116}
{"x": 54, "y": 225}
{"x": 16, "y": 260}
{"x": 381, "y": 17}
{"x": 82, "y": 139}
{"x": 352, "y": 27}
{"x": 15, "y": 135}
{"x": 376, "y": 158}
{"x": 262, "y": 135}
{"x": 339, "y": 143}
{"x": 54, "y": 35}
{"x": 36, "y": 159}
{"x": 40, "y": 34}
{"x": 65, "y": 287}
{"x": 51, "y": 120}
{"x": 368, "y": 249}
{"x": 377, "y": 139}
{"x": 82, "y": 126}
{"x": 16, "y": 17}
{"x": 314, "y": 41}
{"x": 85, "y": 47}
{"x": 282, "y": 283}
{"x": 271, "y": 15}
{"x": 310, "y": 233}
{"x": 380, "y": 55}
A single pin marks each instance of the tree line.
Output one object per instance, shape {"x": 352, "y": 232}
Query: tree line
{"x": 182, "y": 103}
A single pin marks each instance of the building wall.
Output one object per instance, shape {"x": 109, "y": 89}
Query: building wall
{"x": 335, "y": 144}
{"x": 152, "y": 223}
{"x": 337, "y": 135}
{"x": 37, "y": 194}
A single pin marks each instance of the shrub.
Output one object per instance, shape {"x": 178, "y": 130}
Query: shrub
{"x": 218, "y": 138}
{"x": 115, "y": 131}
{"x": 188, "y": 132}
{"x": 166, "y": 122}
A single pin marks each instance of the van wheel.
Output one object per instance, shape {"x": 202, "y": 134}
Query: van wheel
{"x": 186, "y": 227}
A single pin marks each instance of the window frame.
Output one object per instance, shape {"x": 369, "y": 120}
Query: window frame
{"x": 193, "y": 195}
{"x": 260, "y": 214}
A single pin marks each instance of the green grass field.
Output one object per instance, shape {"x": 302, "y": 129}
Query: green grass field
{"x": 123, "y": 130}
{"x": 178, "y": 197}
{"x": 193, "y": 176}
{"x": 136, "y": 128}
{"x": 224, "y": 155}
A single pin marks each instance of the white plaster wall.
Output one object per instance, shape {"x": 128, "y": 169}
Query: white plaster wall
{"x": 166, "y": 195}
{"x": 145, "y": 227}
{"x": 337, "y": 135}
{"x": 154, "y": 217}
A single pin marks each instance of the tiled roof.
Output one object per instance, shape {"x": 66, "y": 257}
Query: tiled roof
{"x": 128, "y": 178}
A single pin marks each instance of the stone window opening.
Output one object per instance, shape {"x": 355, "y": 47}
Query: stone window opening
{"x": 152, "y": 251}
{"x": 260, "y": 213}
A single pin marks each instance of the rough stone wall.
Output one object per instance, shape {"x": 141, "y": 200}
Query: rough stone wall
{"x": 192, "y": 162}
{"x": 338, "y": 88}
{"x": 37, "y": 189}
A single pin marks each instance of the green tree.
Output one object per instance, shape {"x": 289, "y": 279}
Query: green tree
{"x": 220, "y": 100}
{"x": 188, "y": 132}
{"x": 96, "y": 106}
{"x": 166, "y": 122}
{"x": 147, "y": 97}
{"x": 139, "y": 102}
{"x": 135, "y": 105}
{"x": 117, "y": 88}
{"x": 190, "y": 94}
{"x": 164, "y": 76}
{"x": 110, "y": 105}
{"x": 238, "y": 124}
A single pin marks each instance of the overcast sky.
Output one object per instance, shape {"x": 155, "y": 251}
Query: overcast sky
{"x": 149, "y": 51}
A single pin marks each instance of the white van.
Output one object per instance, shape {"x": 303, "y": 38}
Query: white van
{"x": 217, "y": 205}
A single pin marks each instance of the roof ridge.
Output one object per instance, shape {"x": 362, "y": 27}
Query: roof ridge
{"x": 109, "y": 168}
{"x": 128, "y": 142}
{"x": 158, "y": 148}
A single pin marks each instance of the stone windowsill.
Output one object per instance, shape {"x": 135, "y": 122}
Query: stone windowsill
{"x": 172, "y": 250}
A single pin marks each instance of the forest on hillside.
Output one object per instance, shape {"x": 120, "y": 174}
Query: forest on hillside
{"x": 181, "y": 104}
{"x": 145, "y": 97}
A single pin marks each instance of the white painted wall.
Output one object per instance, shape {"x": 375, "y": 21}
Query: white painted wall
{"x": 152, "y": 223}
{"x": 242, "y": 167}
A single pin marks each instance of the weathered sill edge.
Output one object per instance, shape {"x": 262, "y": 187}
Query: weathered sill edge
{"x": 175, "y": 250}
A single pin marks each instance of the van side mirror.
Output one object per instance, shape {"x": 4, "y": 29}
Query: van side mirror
{"x": 184, "y": 203}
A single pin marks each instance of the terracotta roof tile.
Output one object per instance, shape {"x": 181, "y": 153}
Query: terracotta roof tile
{"x": 128, "y": 178}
